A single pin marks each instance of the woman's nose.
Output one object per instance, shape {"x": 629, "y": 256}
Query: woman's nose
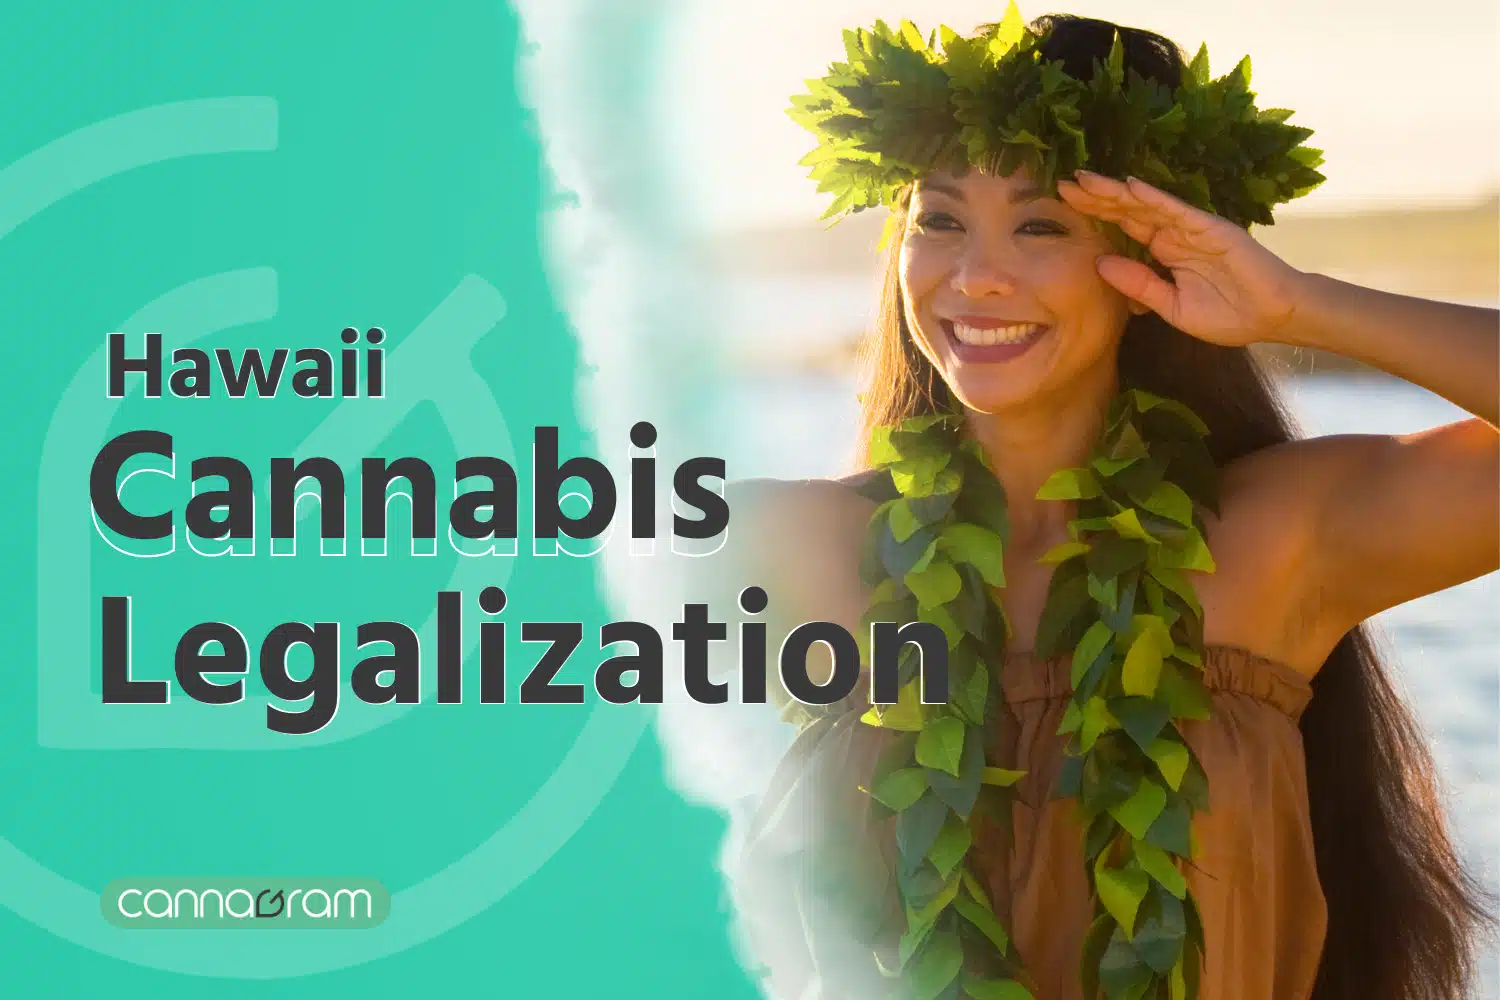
{"x": 984, "y": 270}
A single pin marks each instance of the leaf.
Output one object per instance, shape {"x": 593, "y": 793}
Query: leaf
{"x": 1065, "y": 600}
{"x": 1109, "y": 466}
{"x": 952, "y": 843}
{"x": 920, "y": 885}
{"x": 1155, "y": 862}
{"x": 1106, "y": 592}
{"x": 1122, "y": 974}
{"x": 914, "y": 937}
{"x": 924, "y": 559}
{"x": 960, "y": 792}
{"x": 929, "y": 913}
{"x": 1188, "y": 654}
{"x": 985, "y": 921}
{"x": 1112, "y": 556}
{"x": 971, "y": 690}
{"x": 1010, "y": 31}
{"x": 936, "y": 966}
{"x": 1069, "y": 484}
{"x": 928, "y": 510}
{"x": 896, "y": 612}
{"x": 1177, "y": 584}
{"x": 1193, "y": 554}
{"x": 1170, "y": 501}
{"x": 1141, "y": 718}
{"x": 946, "y": 484}
{"x": 997, "y": 989}
{"x": 904, "y": 523}
{"x": 1171, "y": 758}
{"x": 936, "y": 584}
{"x": 924, "y": 421}
{"x": 976, "y": 891}
{"x": 1128, "y": 443}
{"x": 1183, "y": 693}
{"x": 1137, "y": 813}
{"x": 1094, "y": 644}
{"x": 1149, "y": 401}
{"x": 906, "y": 715}
{"x": 1163, "y": 930}
{"x": 1121, "y": 891}
{"x": 1063, "y": 552}
{"x": 1171, "y": 831}
{"x": 1001, "y": 777}
{"x": 940, "y": 745}
{"x": 940, "y": 617}
{"x": 1094, "y": 944}
{"x": 1097, "y": 720}
{"x": 1194, "y": 787}
{"x": 979, "y": 547}
{"x": 983, "y": 500}
{"x": 882, "y": 452}
{"x": 1094, "y": 674}
{"x": 917, "y": 477}
{"x": 912, "y": 36}
{"x": 918, "y": 825}
{"x": 1072, "y": 719}
{"x": 874, "y": 544}
{"x": 899, "y": 557}
{"x": 900, "y": 788}
{"x": 1128, "y": 524}
{"x": 1142, "y": 667}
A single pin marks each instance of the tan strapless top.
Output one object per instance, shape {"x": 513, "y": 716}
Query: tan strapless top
{"x": 1255, "y": 882}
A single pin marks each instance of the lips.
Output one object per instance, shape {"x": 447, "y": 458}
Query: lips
{"x": 985, "y": 339}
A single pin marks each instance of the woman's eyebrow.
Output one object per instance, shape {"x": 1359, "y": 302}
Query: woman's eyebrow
{"x": 1029, "y": 192}
{"x": 1017, "y": 196}
{"x": 941, "y": 187}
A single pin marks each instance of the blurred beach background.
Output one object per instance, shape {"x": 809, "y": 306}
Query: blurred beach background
{"x": 1412, "y": 205}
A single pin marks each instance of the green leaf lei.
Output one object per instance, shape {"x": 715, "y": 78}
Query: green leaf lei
{"x": 1119, "y": 601}
{"x": 902, "y": 106}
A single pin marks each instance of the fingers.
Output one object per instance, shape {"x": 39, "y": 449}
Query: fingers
{"x": 1137, "y": 228}
{"x": 1074, "y": 194}
{"x": 1136, "y": 198}
{"x": 1138, "y": 282}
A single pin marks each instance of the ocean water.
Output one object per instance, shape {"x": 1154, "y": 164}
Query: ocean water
{"x": 1443, "y": 648}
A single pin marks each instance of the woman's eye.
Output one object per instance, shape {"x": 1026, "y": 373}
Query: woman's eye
{"x": 1043, "y": 227}
{"x": 936, "y": 220}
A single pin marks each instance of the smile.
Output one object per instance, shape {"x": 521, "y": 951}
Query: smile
{"x": 988, "y": 343}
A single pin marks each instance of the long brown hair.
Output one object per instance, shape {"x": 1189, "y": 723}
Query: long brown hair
{"x": 1404, "y": 914}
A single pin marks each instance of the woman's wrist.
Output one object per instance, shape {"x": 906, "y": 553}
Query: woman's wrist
{"x": 1306, "y": 321}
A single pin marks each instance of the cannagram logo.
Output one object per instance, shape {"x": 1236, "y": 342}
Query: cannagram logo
{"x": 251, "y": 904}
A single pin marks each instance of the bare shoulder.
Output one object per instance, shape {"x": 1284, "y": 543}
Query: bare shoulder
{"x": 818, "y": 512}
{"x": 800, "y": 540}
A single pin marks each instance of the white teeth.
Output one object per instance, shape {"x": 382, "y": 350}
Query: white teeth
{"x": 994, "y": 335}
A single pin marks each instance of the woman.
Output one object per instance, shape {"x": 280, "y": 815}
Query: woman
{"x": 1324, "y": 867}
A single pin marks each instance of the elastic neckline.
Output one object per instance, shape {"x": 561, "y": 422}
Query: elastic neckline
{"x": 1226, "y": 667}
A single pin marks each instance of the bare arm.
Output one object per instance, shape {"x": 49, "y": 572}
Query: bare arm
{"x": 1449, "y": 349}
{"x": 1401, "y": 516}
{"x": 798, "y": 540}
{"x": 1389, "y": 517}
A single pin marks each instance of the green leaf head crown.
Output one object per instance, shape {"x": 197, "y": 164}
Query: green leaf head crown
{"x": 902, "y": 106}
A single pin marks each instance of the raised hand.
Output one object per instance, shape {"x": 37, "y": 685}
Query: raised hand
{"x": 1226, "y": 288}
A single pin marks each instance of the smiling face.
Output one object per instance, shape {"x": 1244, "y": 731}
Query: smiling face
{"x": 1001, "y": 293}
